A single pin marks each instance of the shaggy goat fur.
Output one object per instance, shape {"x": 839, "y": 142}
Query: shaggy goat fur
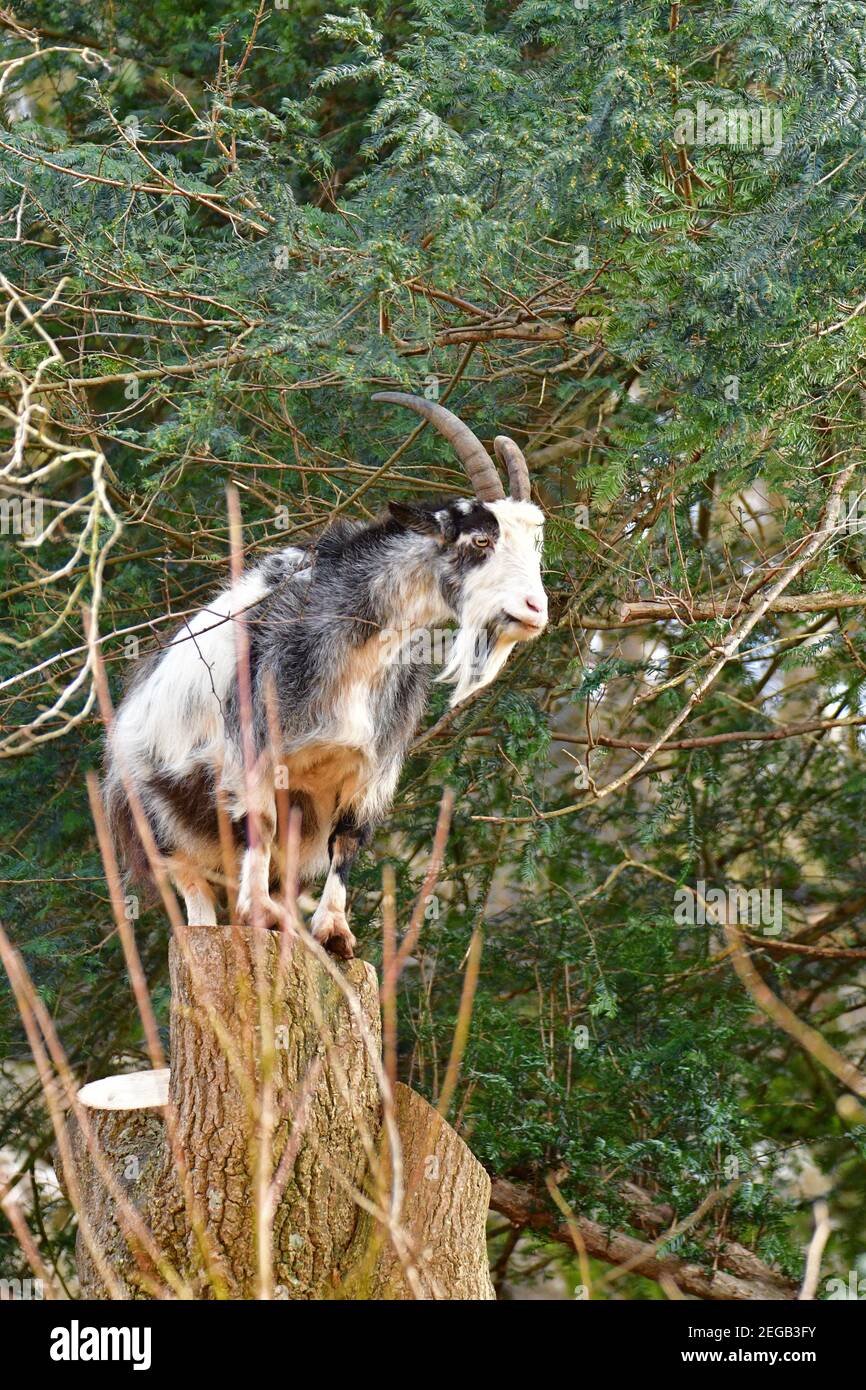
{"x": 330, "y": 631}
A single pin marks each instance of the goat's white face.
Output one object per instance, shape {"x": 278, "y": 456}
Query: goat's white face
{"x": 490, "y": 574}
{"x": 501, "y": 597}
{"x": 500, "y": 568}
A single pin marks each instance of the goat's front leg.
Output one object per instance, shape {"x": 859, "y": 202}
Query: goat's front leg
{"x": 255, "y": 905}
{"x": 330, "y": 925}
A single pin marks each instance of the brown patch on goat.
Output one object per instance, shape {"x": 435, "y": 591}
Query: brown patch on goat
{"x": 191, "y": 798}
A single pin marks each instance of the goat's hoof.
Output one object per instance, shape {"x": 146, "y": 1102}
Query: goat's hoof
{"x": 263, "y": 912}
{"x": 332, "y": 931}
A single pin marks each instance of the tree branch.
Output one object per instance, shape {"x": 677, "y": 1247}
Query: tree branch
{"x": 659, "y": 610}
{"x": 745, "y": 1278}
{"x": 637, "y": 745}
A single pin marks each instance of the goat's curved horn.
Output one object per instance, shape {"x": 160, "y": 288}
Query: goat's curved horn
{"x": 471, "y": 452}
{"x": 511, "y": 455}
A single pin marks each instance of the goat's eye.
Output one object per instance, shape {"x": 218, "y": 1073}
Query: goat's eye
{"x": 481, "y": 540}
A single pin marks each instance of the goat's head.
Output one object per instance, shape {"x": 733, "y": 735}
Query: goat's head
{"x": 489, "y": 551}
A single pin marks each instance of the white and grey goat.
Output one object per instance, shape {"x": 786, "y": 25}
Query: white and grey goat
{"x": 328, "y": 629}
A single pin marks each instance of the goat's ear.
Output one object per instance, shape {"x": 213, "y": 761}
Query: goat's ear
{"x": 417, "y": 519}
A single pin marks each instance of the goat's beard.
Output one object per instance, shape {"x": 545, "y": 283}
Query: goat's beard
{"x": 477, "y": 656}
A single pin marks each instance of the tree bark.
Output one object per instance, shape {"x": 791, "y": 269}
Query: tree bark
{"x": 254, "y": 1015}
{"x": 445, "y": 1206}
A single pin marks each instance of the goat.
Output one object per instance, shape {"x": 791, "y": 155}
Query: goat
{"x": 328, "y": 628}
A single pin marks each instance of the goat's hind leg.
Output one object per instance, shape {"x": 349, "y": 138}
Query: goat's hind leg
{"x": 198, "y": 897}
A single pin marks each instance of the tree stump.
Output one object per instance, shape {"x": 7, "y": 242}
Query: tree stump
{"x": 266, "y": 1039}
{"x": 445, "y": 1207}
